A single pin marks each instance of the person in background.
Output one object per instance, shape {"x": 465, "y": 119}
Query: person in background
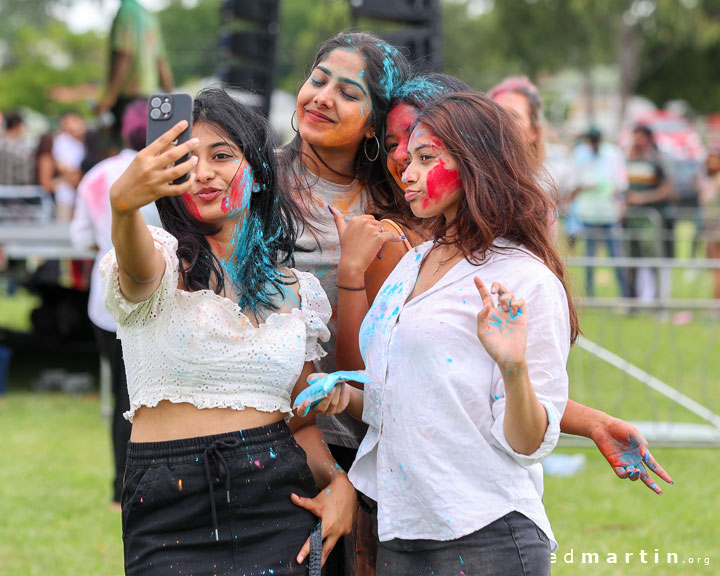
{"x": 601, "y": 180}
{"x": 59, "y": 163}
{"x": 91, "y": 229}
{"x": 138, "y": 62}
{"x": 519, "y": 96}
{"x": 650, "y": 193}
{"x": 710, "y": 213}
{"x": 17, "y": 165}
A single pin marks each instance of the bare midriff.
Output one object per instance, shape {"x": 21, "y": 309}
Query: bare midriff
{"x": 170, "y": 421}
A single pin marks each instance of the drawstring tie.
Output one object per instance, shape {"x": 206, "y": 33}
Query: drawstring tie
{"x": 213, "y": 451}
{"x": 315, "y": 559}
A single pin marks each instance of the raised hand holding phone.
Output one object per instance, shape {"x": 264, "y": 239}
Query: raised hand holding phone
{"x": 153, "y": 170}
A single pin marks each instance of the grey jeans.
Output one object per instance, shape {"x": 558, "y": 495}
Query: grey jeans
{"x": 511, "y": 546}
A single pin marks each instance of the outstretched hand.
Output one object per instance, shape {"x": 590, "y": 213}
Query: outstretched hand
{"x": 151, "y": 173}
{"x": 502, "y": 329}
{"x": 626, "y": 449}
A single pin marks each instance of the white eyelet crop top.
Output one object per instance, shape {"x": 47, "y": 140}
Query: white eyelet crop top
{"x": 199, "y": 347}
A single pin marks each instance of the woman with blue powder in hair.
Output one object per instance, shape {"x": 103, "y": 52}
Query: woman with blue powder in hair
{"x": 219, "y": 336}
{"x": 333, "y": 161}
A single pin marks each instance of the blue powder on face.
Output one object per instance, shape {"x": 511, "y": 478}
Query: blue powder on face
{"x": 251, "y": 266}
{"x": 246, "y": 185}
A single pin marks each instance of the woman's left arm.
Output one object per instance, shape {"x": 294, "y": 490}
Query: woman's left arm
{"x": 336, "y": 503}
{"x": 623, "y": 446}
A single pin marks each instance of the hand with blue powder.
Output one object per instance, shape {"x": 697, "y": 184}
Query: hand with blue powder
{"x": 502, "y": 329}
{"x": 327, "y": 393}
{"x": 626, "y": 449}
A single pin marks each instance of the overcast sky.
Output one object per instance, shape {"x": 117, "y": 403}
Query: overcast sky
{"x": 83, "y": 15}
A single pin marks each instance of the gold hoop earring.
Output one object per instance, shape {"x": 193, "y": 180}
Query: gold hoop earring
{"x": 294, "y": 117}
{"x": 377, "y": 151}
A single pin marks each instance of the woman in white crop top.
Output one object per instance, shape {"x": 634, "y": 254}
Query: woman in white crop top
{"x": 218, "y": 338}
{"x": 470, "y": 381}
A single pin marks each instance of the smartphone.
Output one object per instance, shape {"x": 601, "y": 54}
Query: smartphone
{"x": 164, "y": 111}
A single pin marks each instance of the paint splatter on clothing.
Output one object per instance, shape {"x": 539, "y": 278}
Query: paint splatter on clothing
{"x": 200, "y": 348}
{"x": 435, "y": 456}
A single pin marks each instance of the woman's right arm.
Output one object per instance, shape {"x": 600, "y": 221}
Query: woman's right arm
{"x": 360, "y": 241}
{"x": 146, "y": 179}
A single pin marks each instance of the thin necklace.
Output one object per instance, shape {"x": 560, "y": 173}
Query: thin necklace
{"x": 440, "y": 263}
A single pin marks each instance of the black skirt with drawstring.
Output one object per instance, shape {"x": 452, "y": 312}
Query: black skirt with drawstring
{"x": 217, "y": 505}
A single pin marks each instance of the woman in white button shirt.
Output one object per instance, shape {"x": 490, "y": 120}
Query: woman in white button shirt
{"x": 218, "y": 337}
{"x": 467, "y": 343}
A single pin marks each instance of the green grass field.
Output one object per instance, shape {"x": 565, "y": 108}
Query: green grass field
{"x": 55, "y": 478}
{"x": 55, "y": 484}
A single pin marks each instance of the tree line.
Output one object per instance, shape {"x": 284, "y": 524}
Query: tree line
{"x": 663, "y": 49}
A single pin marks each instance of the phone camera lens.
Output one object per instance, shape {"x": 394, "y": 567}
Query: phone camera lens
{"x": 155, "y": 113}
{"x": 165, "y": 108}
{"x": 155, "y": 102}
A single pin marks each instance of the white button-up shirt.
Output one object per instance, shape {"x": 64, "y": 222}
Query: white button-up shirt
{"x": 435, "y": 457}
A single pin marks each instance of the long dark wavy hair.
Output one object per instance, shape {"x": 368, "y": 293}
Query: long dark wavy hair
{"x": 267, "y": 238}
{"x": 385, "y": 70}
{"x": 502, "y": 197}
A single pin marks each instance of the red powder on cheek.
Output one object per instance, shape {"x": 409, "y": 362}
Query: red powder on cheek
{"x": 440, "y": 183}
{"x": 400, "y": 119}
{"x": 399, "y": 123}
{"x": 191, "y": 207}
